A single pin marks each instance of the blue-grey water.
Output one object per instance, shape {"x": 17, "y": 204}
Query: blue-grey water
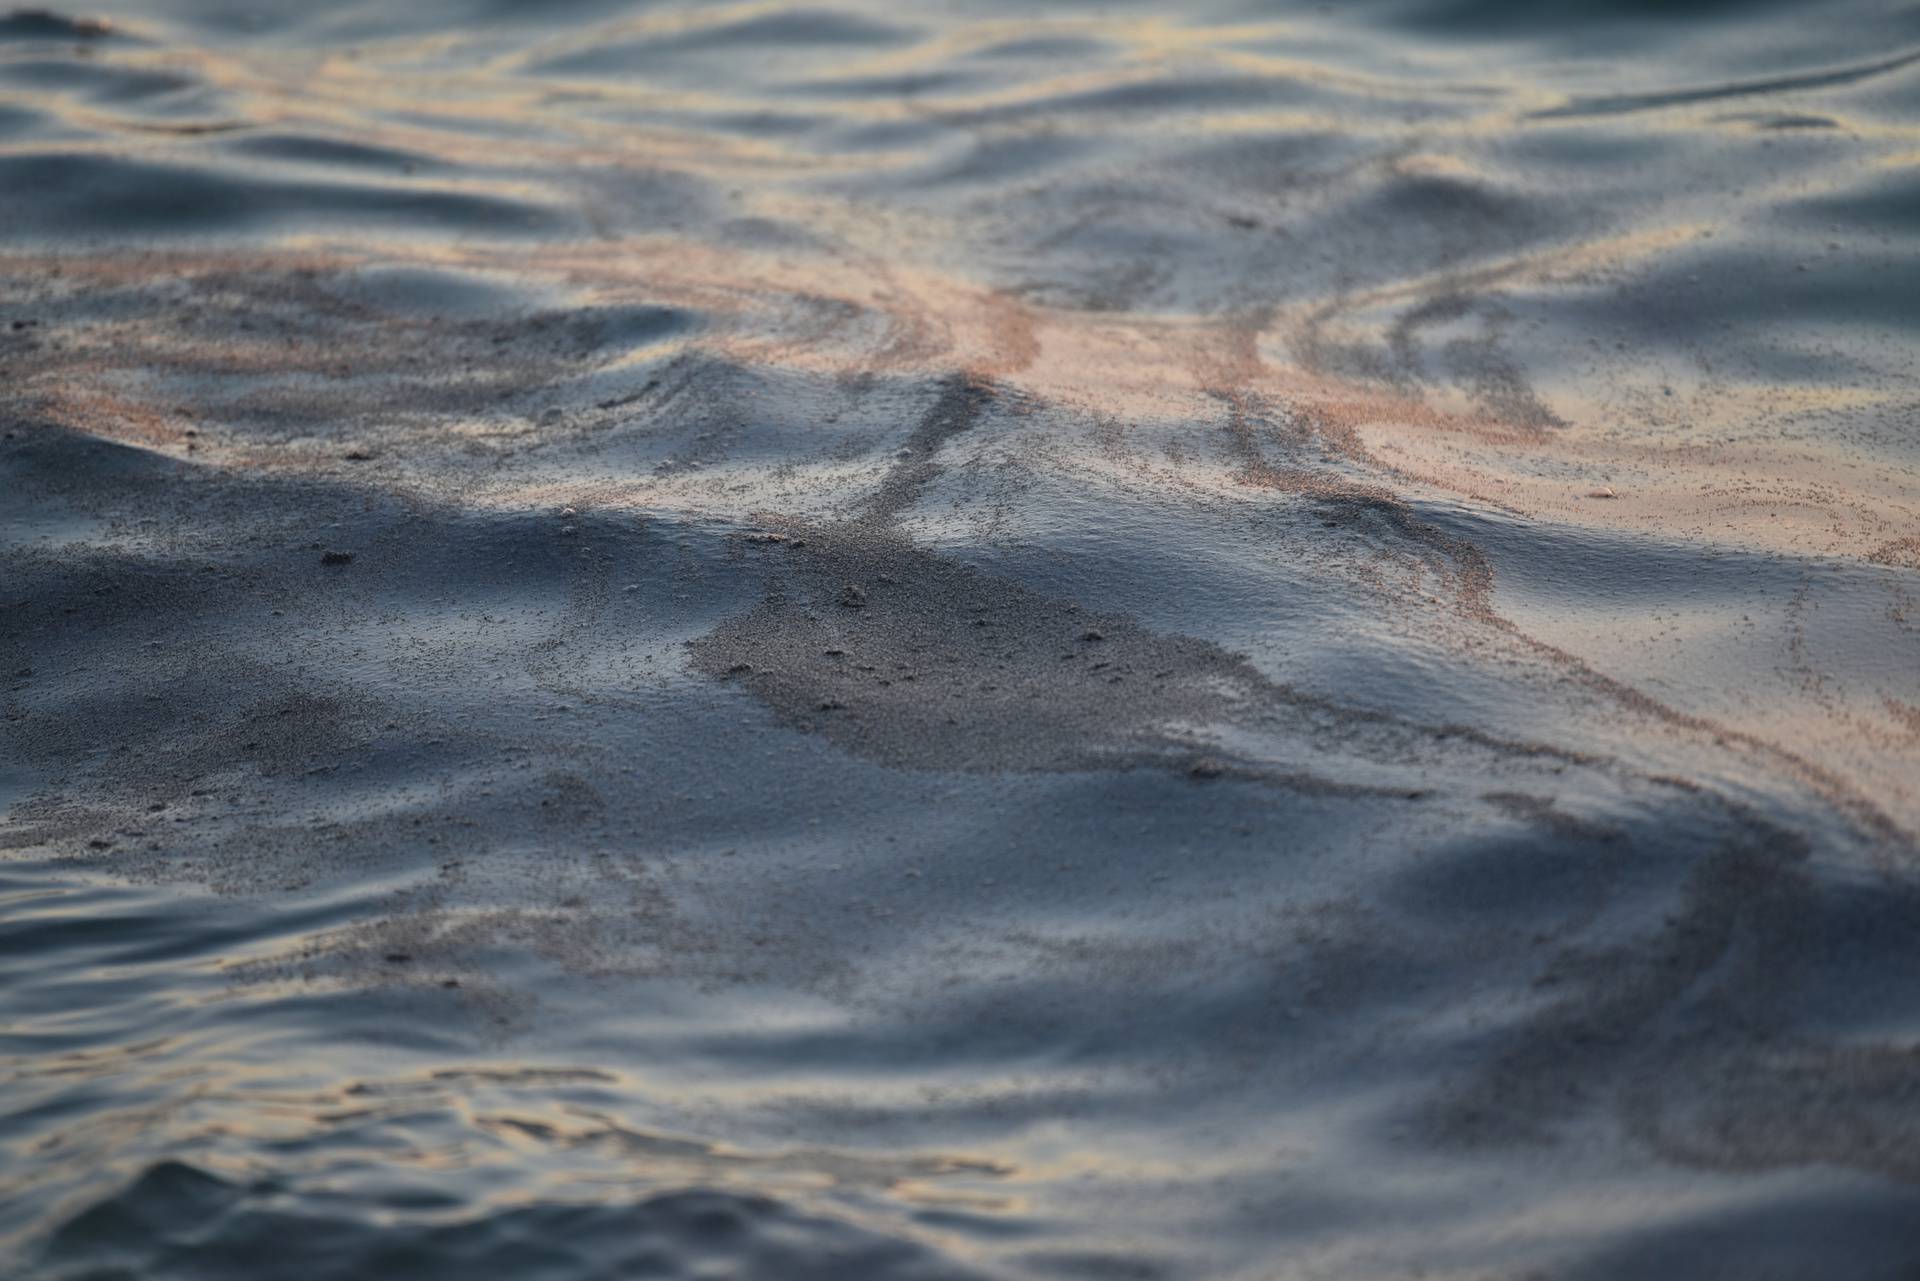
{"x": 960, "y": 639}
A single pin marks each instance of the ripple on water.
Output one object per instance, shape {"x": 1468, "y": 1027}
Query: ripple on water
{"x": 177, "y": 1220}
{"x": 911, "y": 640}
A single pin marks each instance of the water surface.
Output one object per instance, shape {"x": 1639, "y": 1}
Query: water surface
{"x": 960, "y": 640}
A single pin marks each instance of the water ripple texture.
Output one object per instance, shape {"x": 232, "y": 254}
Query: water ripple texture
{"x": 960, "y": 640}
